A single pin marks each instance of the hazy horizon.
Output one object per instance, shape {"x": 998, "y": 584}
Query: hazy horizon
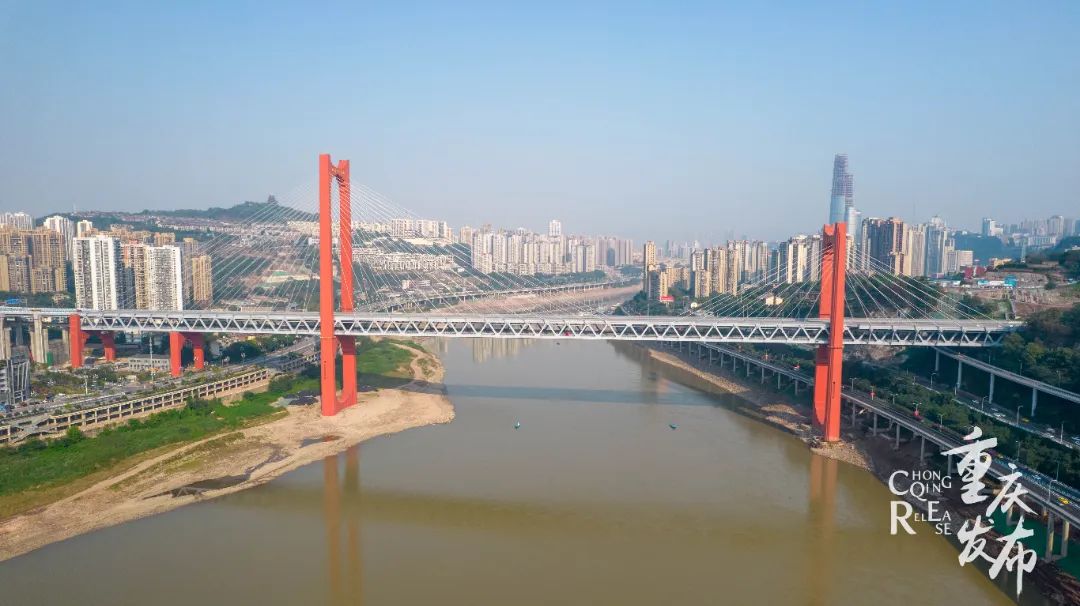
{"x": 650, "y": 122}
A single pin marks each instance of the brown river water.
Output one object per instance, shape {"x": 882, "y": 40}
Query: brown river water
{"x": 594, "y": 499}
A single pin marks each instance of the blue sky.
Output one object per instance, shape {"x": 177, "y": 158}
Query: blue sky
{"x": 659, "y": 119}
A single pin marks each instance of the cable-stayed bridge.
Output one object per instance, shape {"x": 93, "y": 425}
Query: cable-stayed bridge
{"x": 288, "y": 268}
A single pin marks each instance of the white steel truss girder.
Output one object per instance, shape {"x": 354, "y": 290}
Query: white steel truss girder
{"x": 857, "y": 331}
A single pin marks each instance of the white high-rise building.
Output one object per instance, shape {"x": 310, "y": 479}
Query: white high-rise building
{"x": 165, "y": 278}
{"x": 19, "y": 221}
{"x": 83, "y": 228}
{"x": 66, "y": 228}
{"x": 96, "y": 262}
{"x": 555, "y": 228}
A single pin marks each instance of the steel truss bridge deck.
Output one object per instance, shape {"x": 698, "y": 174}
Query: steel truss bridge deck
{"x": 857, "y": 331}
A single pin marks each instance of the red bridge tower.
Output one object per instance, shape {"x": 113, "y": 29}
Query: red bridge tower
{"x": 329, "y": 342}
{"x": 829, "y": 359}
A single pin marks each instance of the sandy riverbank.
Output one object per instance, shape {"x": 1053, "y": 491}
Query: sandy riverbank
{"x": 234, "y": 461}
{"x": 768, "y": 406}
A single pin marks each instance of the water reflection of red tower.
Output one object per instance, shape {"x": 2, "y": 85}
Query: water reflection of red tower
{"x": 334, "y": 497}
{"x": 822, "y": 527}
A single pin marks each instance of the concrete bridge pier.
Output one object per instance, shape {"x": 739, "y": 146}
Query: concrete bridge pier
{"x": 990, "y": 398}
{"x": 922, "y": 450}
{"x": 1050, "y": 521}
{"x": 959, "y": 372}
{"x": 5, "y": 340}
{"x": 39, "y": 341}
{"x": 896, "y": 446}
{"x": 1034, "y": 400}
{"x": 875, "y": 425}
{"x": 65, "y": 338}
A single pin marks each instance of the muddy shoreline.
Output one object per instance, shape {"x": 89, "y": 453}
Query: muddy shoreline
{"x": 227, "y": 463}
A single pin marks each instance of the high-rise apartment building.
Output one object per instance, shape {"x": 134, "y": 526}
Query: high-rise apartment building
{"x": 883, "y": 242}
{"x": 659, "y": 284}
{"x": 84, "y": 229}
{"x": 202, "y": 280}
{"x": 649, "y": 266}
{"x": 937, "y": 237}
{"x": 98, "y": 272}
{"x": 555, "y": 228}
{"x": 914, "y": 250}
{"x": 17, "y": 221}
{"x": 165, "y": 278}
{"x": 134, "y": 271}
{"x": 65, "y": 227}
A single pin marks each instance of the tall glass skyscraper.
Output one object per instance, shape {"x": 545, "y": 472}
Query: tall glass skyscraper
{"x": 843, "y": 193}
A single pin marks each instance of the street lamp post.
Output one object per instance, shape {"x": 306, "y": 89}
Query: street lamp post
{"x": 932, "y": 375}
{"x": 1018, "y": 414}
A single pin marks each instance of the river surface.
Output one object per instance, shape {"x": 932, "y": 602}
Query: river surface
{"x": 594, "y": 499}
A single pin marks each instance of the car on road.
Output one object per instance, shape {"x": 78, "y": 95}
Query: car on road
{"x": 1063, "y": 500}
{"x": 999, "y": 415}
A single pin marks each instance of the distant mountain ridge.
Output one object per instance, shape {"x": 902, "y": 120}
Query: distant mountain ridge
{"x": 265, "y": 212}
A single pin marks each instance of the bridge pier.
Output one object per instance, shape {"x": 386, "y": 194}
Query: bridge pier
{"x": 5, "y": 340}
{"x": 896, "y": 446}
{"x": 875, "y": 424}
{"x": 937, "y": 360}
{"x": 1034, "y": 400}
{"x": 108, "y": 342}
{"x": 1050, "y": 522}
{"x": 990, "y": 398}
{"x": 959, "y": 372}
{"x": 922, "y": 449}
{"x": 39, "y": 341}
{"x": 198, "y": 348}
{"x": 78, "y": 338}
{"x": 176, "y": 345}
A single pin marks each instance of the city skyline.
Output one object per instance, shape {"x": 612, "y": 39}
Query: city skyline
{"x": 516, "y": 116}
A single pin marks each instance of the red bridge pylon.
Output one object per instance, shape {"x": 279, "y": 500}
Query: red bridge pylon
{"x": 829, "y": 358}
{"x": 328, "y": 172}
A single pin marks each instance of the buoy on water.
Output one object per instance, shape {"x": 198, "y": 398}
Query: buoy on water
{"x": 517, "y": 425}
{"x": 673, "y": 426}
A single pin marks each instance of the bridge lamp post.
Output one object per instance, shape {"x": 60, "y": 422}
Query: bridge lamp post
{"x": 932, "y": 375}
{"x": 1018, "y": 414}
{"x": 940, "y": 422}
{"x": 1018, "y": 451}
